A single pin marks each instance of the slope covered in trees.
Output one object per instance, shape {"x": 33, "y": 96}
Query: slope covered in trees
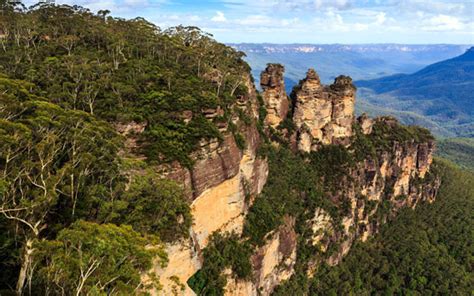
{"x": 71, "y": 218}
{"x": 123, "y": 70}
{"x": 458, "y": 150}
{"x": 426, "y": 251}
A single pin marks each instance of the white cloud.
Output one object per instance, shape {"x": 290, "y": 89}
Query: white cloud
{"x": 436, "y": 7}
{"x": 195, "y": 18}
{"x": 219, "y": 17}
{"x": 136, "y": 2}
{"x": 338, "y": 4}
{"x": 253, "y": 20}
{"x": 334, "y": 22}
{"x": 380, "y": 18}
{"x": 290, "y": 22}
{"x": 443, "y": 22}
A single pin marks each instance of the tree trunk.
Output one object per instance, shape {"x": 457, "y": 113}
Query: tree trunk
{"x": 27, "y": 256}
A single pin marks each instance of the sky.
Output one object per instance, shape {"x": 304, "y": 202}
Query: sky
{"x": 307, "y": 21}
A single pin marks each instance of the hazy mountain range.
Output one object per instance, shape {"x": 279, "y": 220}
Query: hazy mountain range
{"x": 441, "y": 93}
{"x": 360, "y": 61}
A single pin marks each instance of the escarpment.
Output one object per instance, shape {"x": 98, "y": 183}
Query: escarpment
{"x": 159, "y": 154}
{"x": 223, "y": 180}
{"x": 342, "y": 180}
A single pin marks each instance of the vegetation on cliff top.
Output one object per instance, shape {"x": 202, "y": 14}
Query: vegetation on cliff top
{"x": 125, "y": 70}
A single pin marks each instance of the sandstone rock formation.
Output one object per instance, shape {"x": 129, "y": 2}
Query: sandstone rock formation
{"x": 382, "y": 185}
{"x": 274, "y": 94}
{"x": 365, "y": 123}
{"x": 323, "y": 114}
{"x": 218, "y": 185}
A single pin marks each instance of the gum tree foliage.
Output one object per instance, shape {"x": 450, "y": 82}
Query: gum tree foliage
{"x": 224, "y": 251}
{"x": 157, "y": 206}
{"x": 55, "y": 165}
{"x": 88, "y": 258}
{"x": 68, "y": 75}
{"x": 58, "y": 166}
{"x": 124, "y": 70}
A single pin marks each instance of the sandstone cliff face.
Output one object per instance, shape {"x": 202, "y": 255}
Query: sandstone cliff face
{"x": 373, "y": 191}
{"x": 323, "y": 114}
{"x": 274, "y": 94}
{"x": 219, "y": 186}
{"x": 272, "y": 263}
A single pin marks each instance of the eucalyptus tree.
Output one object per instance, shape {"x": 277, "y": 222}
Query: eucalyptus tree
{"x": 51, "y": 160}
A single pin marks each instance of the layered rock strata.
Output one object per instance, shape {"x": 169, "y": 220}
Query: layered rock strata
{"x": 220, "y": 185}
{"x": 272, "y": 263}
{"x": 371, "y": 192}
{"x": 376, "y": 189}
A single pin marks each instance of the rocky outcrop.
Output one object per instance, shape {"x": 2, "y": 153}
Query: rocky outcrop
{"x": 323, "y": 114}
{"x": 365, "y": 123}
{"x": 274, "y": 262}
{"x": 130, "y": 132}
{"x": 274, "y": 94}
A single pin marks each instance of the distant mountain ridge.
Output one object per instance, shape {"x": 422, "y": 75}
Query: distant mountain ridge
{"x": 360, "y": 61}
{"x": 311, "y": 48}
{"x": 462, "y": 67}
{"x": 443, "y": 92}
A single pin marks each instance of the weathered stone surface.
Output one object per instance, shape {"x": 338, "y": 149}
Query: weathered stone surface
{"x": 395, "y": 176}
{"x": 218, "y": 185}
{"x": 321, "y": 226}
{"x": 216, "y": 162}
{"x": 366, "y": 124}
{"x": 183, "y": 263}
{"x": 274, "y": 94}
{"x": 323, "y": 114}
{"x": 236, "y": 287}
{"x": 274, "y": 262}
{"x": 130, "y": 131}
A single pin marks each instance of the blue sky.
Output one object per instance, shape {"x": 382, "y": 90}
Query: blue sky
{"x": 308, "y": 21}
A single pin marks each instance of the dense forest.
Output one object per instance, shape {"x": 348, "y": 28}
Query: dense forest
{"x": 426, "y": 251}
{"x": 71, "y": 220}
{"x": 458, "y": 150}
{"x": 74, "y": 221}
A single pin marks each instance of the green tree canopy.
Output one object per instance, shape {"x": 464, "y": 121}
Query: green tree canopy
{"x": 89, "y": 258}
